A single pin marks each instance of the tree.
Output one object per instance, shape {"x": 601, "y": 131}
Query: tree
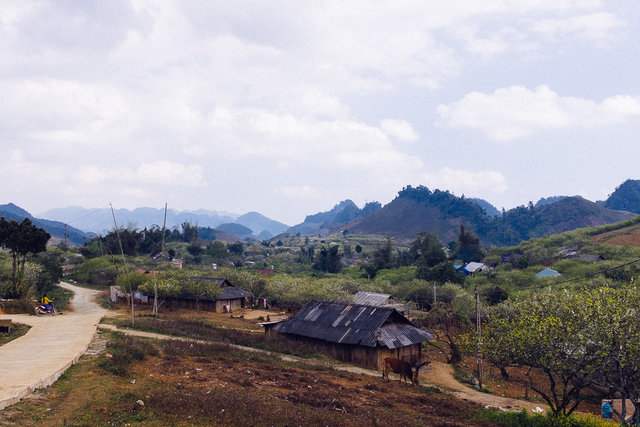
{"x": 426, "y": 249}
{"x": 189, "y": 232}
{"x": 200, "y": 289}
{"x": 169, "y": 286}
{"x": 329, "y": 260}
{"x": 382, "y": 258}
{"x": 441, "y": 273}
{"x": 217, "y": 249}
{"x": 449, "y": 327}
{"x": 544, "y": 334}
{"x": 468, "y": 247}
{"x": 236, "y": 248}
{"x": 21, "y": 239}
{"x": 195, "y": 250}
{"x": 610, "y": 319}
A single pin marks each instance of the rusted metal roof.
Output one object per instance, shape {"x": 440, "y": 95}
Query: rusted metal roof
{"x": 344, "y": 323}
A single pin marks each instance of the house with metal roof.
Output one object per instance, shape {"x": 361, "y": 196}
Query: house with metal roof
{"x": 231, "y": 298}
{"x": 355, "y": 333}
{"x": 381, "y": 300}
{"x": 476, "y": 267}
{"x": 547, "y": 272}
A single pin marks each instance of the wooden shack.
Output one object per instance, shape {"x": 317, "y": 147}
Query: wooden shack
{"x": 230, "y": 299}
{"x": 354, "y": 333}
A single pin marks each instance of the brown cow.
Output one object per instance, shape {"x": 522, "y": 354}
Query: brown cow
{"x": 403, "y": 368}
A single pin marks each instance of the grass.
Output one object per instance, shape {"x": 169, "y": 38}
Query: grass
{"x": 182, "y": 383}
{"x": 201, "y": 330}
{"x": 17, "y": 331}
{"x": 525, "y": 419}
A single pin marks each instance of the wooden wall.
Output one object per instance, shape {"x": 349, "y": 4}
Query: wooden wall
{"x": 367, "y": 357}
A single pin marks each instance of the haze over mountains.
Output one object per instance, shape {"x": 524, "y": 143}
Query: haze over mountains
{"x": 412, "y": 211}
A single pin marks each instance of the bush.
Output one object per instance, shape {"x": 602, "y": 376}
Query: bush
{"x": 525, "y": 419}
{"x": 123, "y": 350}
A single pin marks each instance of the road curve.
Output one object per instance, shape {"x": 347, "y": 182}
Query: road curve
{"x": 51, "y": 346}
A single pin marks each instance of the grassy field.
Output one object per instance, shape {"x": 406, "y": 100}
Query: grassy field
{"x": 141, "y": 382}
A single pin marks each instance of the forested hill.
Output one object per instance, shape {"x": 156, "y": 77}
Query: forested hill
{"x": 55, "y": 228}
{"x": 342, "y": 213}
{"x": 420, "y": 209}
{"x": 626, "y": 197}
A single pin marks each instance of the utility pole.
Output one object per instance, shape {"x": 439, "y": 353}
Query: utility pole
{"x": 155, "y": 281}
{"x": 435, "y": 298}
{"x": 124, "y": 261}
{"x": 479, "y": 332}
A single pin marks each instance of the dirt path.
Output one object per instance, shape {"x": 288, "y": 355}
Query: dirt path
{"x": 437, "y": 374}
{"x": 441, "y": 375}
{"x": 52, "y": 344}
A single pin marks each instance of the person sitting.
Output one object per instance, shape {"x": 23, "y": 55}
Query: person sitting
{"x": 47, "y": 302}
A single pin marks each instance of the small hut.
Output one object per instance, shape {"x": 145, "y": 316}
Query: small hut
{"x": 230, "y": 299}
{"x": 354, "y": 333}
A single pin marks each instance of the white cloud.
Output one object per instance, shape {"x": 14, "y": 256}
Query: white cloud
{"x": 595, "y": 26}
{"x": 399, "y": 129}
{"x": 140, "y": 100}
{"x": 516, "y": 111}
{"x": 165, "y": 172}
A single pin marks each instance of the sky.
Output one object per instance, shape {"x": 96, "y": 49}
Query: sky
{"x": 287, "y": 107}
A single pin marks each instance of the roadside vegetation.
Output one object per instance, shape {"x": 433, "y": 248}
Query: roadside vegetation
{"x": 154, "y": 383}
{"x": 18, "y": 330}
{"x": 28, "y": 269}
{"x": 536, "y": 331}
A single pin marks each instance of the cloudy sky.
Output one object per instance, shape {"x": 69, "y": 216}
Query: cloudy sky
{"x": 289, "y": 107}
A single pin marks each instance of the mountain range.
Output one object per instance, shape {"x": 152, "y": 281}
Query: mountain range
{"x": 412, "y": 211}
{"x": 58, "y": 230}
{"x": 101, "y": 220}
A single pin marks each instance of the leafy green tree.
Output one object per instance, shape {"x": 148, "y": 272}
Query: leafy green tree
{"x": 132, "y": 280}
{"x": 195, "y": 250}
{"x": 468, "y": 247}
{"x": 441, "y": 273}
{"x": 217, "y": 249}
{"x": 21, "y": 239}
{"x": 200, "y": 289}
{"x": 236, "y": 248}
{"x": 329, "y": 260}
{"x": 168, "y": 286}
{"x": 189, "y": 232}
{"x": 610, "y": 322}
{"x": 495, "y": 295}
{"x": 426, "y": 249}
{"x": 151, "y": 240}
{"x": 544, "y": 335}
{"x": 382, "y": 259}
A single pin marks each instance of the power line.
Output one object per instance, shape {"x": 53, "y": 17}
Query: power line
{"x": 598, "y": 272}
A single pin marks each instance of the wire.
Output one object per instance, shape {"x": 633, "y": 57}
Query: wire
{"x": 598, "y": 272}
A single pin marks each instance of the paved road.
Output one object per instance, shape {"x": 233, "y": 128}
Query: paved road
{"x": 52, "y": 344}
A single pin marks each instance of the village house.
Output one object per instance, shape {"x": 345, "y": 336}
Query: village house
{"x": 547, "y": 272}
{"x": 230, "y": 299}
{"x": 381, "y": 300}
{"x": 360, "y": 334}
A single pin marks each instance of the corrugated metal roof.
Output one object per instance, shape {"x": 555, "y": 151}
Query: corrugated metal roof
{"x": 345, "y": 323}
{"x": 371, "y": 298}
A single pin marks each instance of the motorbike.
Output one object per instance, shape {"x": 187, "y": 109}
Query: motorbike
{"x": 42, "y": 309}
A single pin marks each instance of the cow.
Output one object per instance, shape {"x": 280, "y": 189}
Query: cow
{"x": 404, "y": 369}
